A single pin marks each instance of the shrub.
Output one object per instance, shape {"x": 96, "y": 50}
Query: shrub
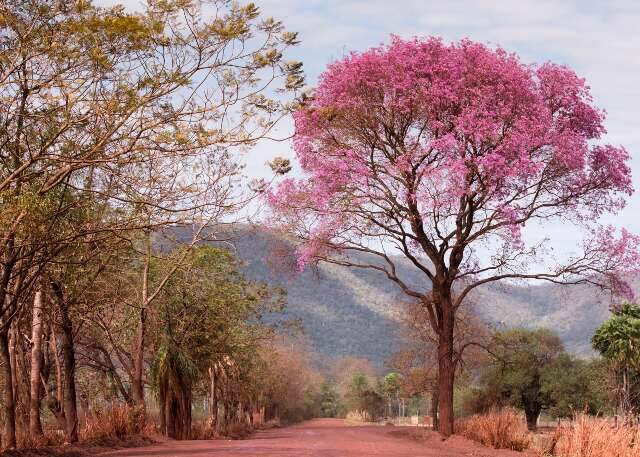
{"x": 118, "y": 420}
{"x": 358, "y": 416}
{"x": 48, "y": 438}
{"x": 500, "y": 429}
{"x": 593, "y": 437}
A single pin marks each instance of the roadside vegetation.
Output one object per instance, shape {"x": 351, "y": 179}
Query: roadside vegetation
{"x": 126, "y": 312}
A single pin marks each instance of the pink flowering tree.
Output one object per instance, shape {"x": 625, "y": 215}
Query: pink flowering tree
{"x": 442, "y": 153}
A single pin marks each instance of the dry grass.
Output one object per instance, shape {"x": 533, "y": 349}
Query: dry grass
{"x": 357, "y": 417}
{"x": 499, "y": 429}
{"x": 593, "y": 437}
{"x": 118, "y": 420}
{"x": 47, "y": 439}
{"x": 203, "y": 430}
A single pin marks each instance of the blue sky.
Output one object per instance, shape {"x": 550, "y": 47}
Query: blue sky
{"x": 600, "y": 40}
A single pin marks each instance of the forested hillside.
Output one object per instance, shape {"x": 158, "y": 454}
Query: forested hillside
{"x": 355, "y": 312}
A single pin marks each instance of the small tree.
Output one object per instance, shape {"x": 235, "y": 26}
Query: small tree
{"x": 574, "y": 385}
{"x": 618, "y": 340}
{"x": 519, "y": 360}
{"x": 442, "y": 153}
{"x": 204, "y": 314}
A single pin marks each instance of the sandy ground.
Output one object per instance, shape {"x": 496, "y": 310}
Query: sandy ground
{"x": 323, "y": 438}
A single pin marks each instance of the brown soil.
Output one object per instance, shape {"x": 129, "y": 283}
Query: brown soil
{"x": 324, "y": 438}
{"x": 83, "y": 449}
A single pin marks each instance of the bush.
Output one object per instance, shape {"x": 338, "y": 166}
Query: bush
{"x": 358, "y": 416}
{"x": 500, "y": 429}
{"x": 593, "y": 437}
{"x": 48, "y": 438}
{"x": 118, "y": 420}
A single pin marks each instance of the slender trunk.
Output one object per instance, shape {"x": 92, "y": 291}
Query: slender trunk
{"x": 138, "y": 362}
{"x": 434, "y": 408}
{"x": 446, "y": 371}
{"x": 69, "y": 367}
{"x": 213, "y": 398}
{"x": 625, "y": 403}
{"x": 35, "y": 426}
{"x": 55, "y": 399}
{"x": 14, "y": 365}
{"x": 9, "y": 429}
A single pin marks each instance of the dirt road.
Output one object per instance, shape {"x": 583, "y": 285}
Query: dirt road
{"x": 322, "y": 438}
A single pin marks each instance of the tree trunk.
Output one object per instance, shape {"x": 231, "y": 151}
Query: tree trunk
{"x": 9, "y": 429}
{"x": 532, "y": 413}
{"x": 137, "y": 383}
{"x": 69, "y": 367}
{"x": 55, "y": 396}
{"x": 446, "y": 371}
{"x": 213, "y": 398}
{"x": 434, "y": 408}
{"x": 176, "y": 412}
{"x": 35, "y": 426}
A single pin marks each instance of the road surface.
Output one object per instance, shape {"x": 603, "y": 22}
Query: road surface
{"x": 322, "y": 438}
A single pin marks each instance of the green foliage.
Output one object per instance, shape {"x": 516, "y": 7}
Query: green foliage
{"x": 618, "y": 339}
{"x": 363, "y": 397}
{"x": 529, "y": 369}
{"x": 328, "y": 400}
{"x": 208, "y": 309}
{"x": 574, "y": 385}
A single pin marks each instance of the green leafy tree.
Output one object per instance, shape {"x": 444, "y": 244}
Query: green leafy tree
{"x": 362, "y": 396}
{"x": 519, "y": 360}
{"x": 574, "y": 385}
{"x": 328, "y": 400}
{"x": 618, "y": 340}
{"x": 207, "y": 313}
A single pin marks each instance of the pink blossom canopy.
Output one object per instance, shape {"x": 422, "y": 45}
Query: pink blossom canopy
{"x": 429, "y": 144}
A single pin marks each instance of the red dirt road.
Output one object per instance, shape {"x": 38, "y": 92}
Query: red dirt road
{"x": 322, "y": 438}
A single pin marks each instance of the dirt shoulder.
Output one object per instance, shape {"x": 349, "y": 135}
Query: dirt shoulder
{"x": 85, "y": 449}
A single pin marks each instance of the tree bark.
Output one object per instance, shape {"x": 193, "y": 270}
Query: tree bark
{"x": 434, "y": 408}
{"x": 137, "y": 384}
{"x": 176, "y": 411}
{"x": 35, "y": 425}
{"x": 213, "y": 398}
{"x": 446, "y": 371}
{"x": 69, "y": 367}
{"x": 532, "y": 413}
{"x": 55, "y": 396}
{"x": 9, "y": 410}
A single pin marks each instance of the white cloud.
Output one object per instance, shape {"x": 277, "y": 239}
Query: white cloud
{"x": 600, "y": 40}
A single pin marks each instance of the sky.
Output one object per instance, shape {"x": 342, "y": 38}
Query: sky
{"x": 599, "y": 39}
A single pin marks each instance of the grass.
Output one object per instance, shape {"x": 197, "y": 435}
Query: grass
{"x": 593, "y": 437}
{"x": 118, "y": 420}
{"x": 499, "y": 429}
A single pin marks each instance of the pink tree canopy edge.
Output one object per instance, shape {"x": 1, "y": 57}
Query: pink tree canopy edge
{"x": 436, "y": 148}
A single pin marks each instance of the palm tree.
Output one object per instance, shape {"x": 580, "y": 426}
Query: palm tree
{"x": 173, "y": 375}
{"x": 618, "y": 340}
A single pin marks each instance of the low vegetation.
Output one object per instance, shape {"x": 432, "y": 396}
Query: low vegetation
{"x": 499, "y": 429}
{"x": 593, "y": 437}
{"x": 125, "y": 309}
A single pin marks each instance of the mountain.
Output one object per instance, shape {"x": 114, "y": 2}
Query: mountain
{"x": 355, "y": 312}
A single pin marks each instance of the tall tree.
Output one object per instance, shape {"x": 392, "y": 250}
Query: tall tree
{"x": 207, "y": 312}
{"x": 442, "y": 153}
{"x": 141, "y": 110}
